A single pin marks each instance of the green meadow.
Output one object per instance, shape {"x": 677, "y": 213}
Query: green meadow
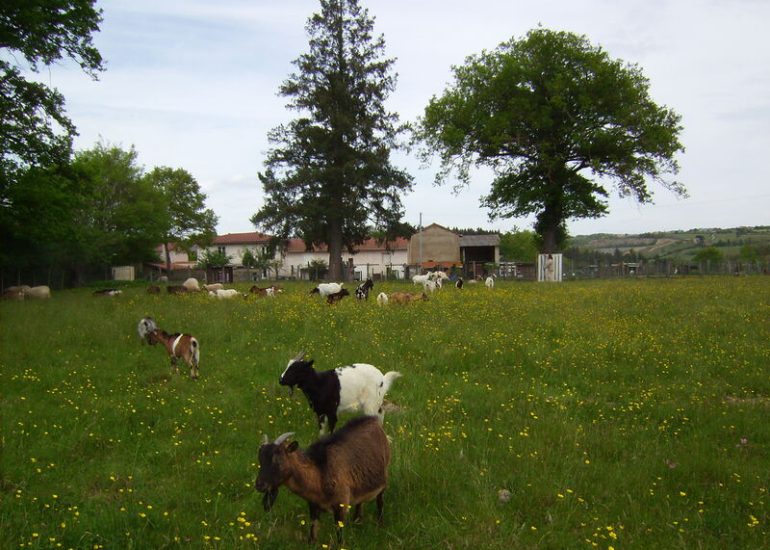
{"x": 599, "y": 414}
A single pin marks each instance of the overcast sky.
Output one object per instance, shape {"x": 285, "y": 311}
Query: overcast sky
{"x": 193, "y": 84}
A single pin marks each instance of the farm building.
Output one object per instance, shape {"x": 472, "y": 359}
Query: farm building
{"x": 434, "y": 246}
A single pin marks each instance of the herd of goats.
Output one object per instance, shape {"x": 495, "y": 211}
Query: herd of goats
{"x": 343, "y": 468}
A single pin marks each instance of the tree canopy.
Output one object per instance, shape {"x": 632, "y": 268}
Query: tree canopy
{"x": 558, "y": 120}
{"x": 187, "y": 220}
{"x": 34, "y": 129}
{"x": 329, "y": 173}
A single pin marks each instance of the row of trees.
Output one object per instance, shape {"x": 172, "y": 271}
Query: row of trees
{"x": 99, "y": 209}
{"x": 560, "y": 123}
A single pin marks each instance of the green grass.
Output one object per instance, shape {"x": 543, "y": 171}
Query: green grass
{"x": 624, "y": 414}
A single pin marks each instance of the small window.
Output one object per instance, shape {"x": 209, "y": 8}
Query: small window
{"x": 222, "y": 249}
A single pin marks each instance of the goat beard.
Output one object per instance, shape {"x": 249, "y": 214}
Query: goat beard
{"x": 269, "y": 499}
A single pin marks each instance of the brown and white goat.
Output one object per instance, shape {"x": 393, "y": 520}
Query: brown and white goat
{"x": 347, "y": 468}
{"x": 178, "y": 346}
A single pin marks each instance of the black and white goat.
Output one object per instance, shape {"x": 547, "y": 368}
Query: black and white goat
{"x": 362, "y": 291}
{"x": 350, "y": 388}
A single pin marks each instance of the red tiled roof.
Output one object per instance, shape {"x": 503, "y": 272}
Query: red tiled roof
{"x": 369, "y": 245}
{"x": 241, "y": 238}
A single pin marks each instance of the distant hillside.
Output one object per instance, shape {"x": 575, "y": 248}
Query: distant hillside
{"x": 676, "y": 244}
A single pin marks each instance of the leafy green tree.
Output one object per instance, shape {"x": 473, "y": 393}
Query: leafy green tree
{"x": 248, "y": 259}
{"x": 519, "y": 245}
{"x": 34, "y": 129}
{"x": 557, "y": 119}
{"x": 329, "y": 173}
{"x": 126, "y": 216}
{"x": 188, "y": 220}
{"x": 211, "y": 258}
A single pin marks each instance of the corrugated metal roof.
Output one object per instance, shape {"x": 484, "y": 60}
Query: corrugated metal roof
{"x": 479, "y": 240}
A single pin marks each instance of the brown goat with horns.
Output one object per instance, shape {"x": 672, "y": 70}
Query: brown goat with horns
{"x": 345, "y": 469}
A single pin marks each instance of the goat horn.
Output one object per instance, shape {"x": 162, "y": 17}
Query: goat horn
{"x": 281, "y": 438}
{"x": 299, "y": 356}
{"x": 265, "y": 440}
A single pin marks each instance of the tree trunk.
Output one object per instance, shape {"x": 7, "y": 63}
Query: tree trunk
{"x": 335, "y": 251}
{"x": 550, "y": 240}
{"x": 168, "y": 256}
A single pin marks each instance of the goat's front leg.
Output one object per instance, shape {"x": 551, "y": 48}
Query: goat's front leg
{"x": 339, "y": 518}
{"x": 315, "y": 513}
{"x": 380, "y": 507}
{"x": 174, "y": 366}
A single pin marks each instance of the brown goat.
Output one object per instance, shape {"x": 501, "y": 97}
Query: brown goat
{"x": 153, "y": 289}
{"x": 176, "y": 289}
{"x": 345, "y": 469}
{"x": 332, "y": 299}
{"x": 406, "y": 297}
{"x": 178, "y": 346}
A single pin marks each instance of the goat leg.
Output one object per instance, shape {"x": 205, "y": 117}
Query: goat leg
{"x": 380, "y": 507}
{"x": 339, "y": 519}
{"x": 315, "y": 513}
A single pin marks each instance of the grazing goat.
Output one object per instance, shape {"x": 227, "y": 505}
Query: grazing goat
{"x": 362, "y": 291}
{"x": 108, "y": 292}
{"x": 214, "y": 286}
{"x": 429, "y": 286}
{"x": 153, "y": 289}
{"x": 382, "y": 299}
{"x": 332, "y": 299}
{"x": 178, "y": 346}
{"x": 192, "y": 285}
{"x": 324, "y": 289}
{"x": 176, "y": 289}
{"x": 350, "y": 388}
{"x": 144, "y": 328}
{"x": 225, "y": 294}
{"x": 490, "y": 282}
{"x": 406, "y": 298}
{"x": 38, "y": 292}
{"x": 269, "y": 291}
{"x": 347, "y": 468}
{"x": 421, "y": 279}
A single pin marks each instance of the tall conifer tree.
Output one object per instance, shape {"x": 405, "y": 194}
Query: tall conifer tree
{"x": 329, "y": 173}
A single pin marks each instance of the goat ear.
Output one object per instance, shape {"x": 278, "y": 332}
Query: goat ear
{"x": 292, "y": 447}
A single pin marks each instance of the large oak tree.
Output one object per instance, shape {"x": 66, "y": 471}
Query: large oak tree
{"x": 329, "y": 173}
{"x": 559, "y": 121}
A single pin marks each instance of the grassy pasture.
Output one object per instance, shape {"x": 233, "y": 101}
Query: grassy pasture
{"x": 620, "y": 414}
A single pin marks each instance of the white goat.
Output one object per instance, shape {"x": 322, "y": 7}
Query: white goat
{"x": 325, "y": 289}
{"x": 429, "y": 286}
{"x": 421, "y": 279}
{"x": 490, "y": 282}
{"x": 382, "y": 299}
{"x": 225, "y": 294}
{"x": 191, "y": 284}
{"x": 38, "y": 292}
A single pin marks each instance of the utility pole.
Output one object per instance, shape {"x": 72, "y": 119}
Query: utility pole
{"x": 420, "y": 243}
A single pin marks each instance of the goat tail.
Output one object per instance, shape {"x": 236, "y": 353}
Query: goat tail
{"x": 196, "y": 351}
{"x": 388, "y": 379}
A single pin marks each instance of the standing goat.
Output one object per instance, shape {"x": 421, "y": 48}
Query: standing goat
{"x": 178, "y": 346}
{"x": 347, "y": 468}
{"x": 332, "y": 299}
{"x": 350, "y": 388}
{"x": 362, "y": 291}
